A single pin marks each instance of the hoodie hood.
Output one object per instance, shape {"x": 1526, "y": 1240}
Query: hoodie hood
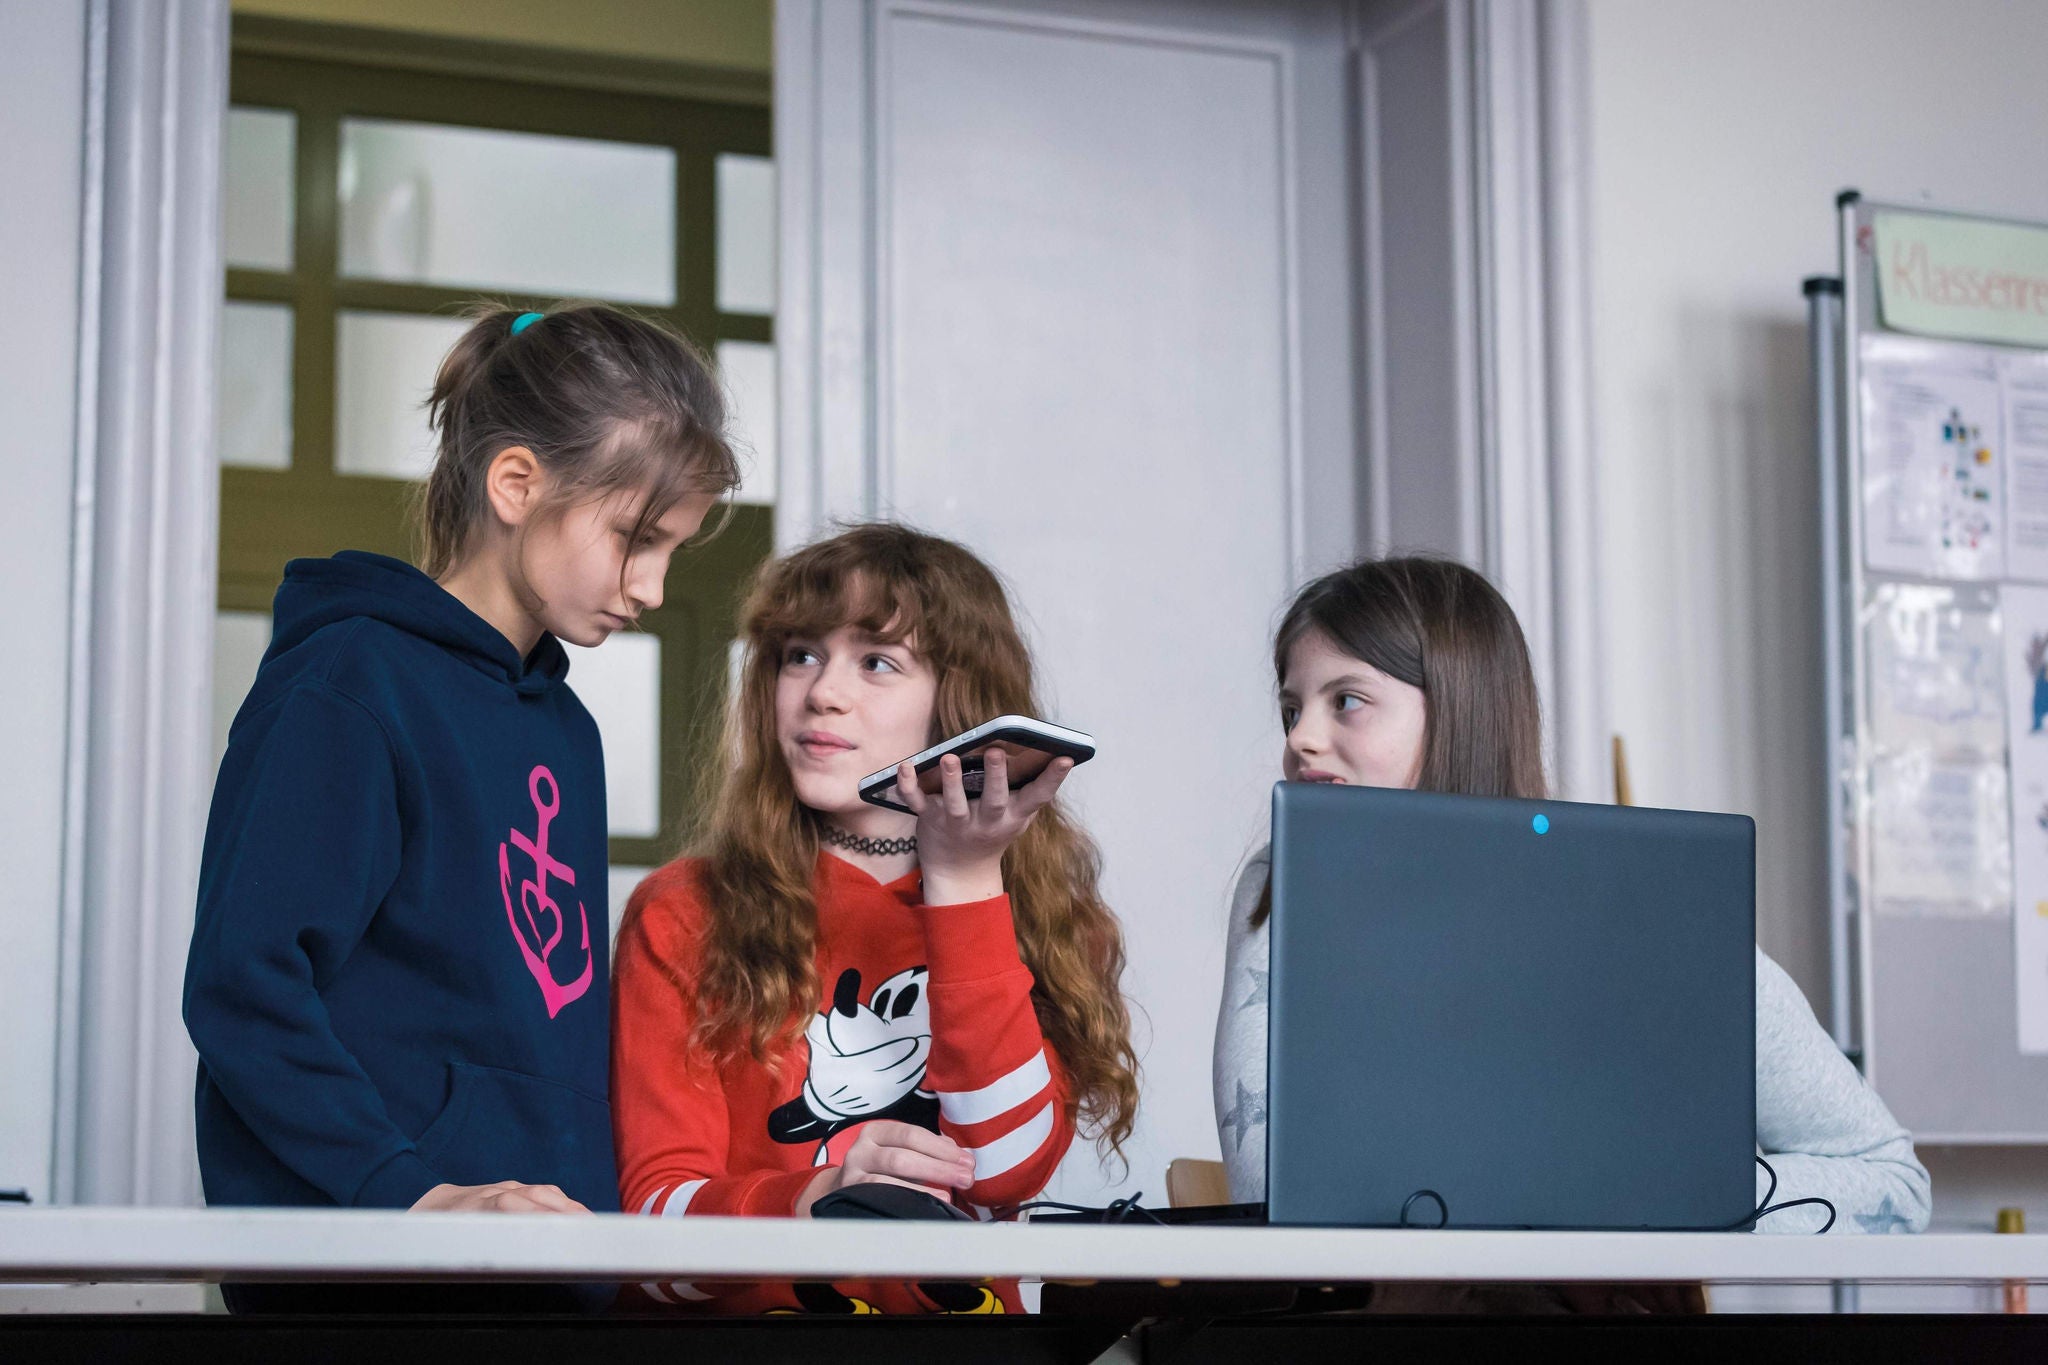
{"x": 322, "y": 592}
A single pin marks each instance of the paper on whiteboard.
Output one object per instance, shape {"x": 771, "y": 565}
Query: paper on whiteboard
{"x": 1933, "y": 492}
{"x": 2026, "y": 670}
{"x": 2024, "y": 433}
{"x": 1935, "y": 679}
{"x": 1939, "y": 836}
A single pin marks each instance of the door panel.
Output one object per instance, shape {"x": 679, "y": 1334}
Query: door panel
{"x": 1105, "y": 349}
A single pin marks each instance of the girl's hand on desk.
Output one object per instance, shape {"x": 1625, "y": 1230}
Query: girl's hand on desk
{"x": 507, "y": 1196}
{"x": 892, "y": 1153}
{"x": 961, "y": 840}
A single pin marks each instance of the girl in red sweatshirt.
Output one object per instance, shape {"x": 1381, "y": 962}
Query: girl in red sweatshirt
{"x": 833, "y": 992}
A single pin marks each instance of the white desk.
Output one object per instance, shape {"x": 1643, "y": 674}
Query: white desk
{"x": 46, "y": 1245}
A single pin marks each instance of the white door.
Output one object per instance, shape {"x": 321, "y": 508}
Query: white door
{"x": 1070, "y": 283}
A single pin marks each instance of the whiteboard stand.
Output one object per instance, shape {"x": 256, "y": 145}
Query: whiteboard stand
{"x": 1824, "y": 329}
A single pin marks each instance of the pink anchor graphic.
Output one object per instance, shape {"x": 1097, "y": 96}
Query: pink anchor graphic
{"x": 535, "y": 904}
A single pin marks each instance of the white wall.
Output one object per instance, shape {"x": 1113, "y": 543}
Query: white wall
{"x": 42, "y": 104}
{"x": 1722, "y": 130}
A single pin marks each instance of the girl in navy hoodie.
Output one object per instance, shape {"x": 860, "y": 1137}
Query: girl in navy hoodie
{"x": 397, "y": 982}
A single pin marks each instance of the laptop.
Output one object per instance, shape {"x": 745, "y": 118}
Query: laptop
{"x": 1493, "y": 1013}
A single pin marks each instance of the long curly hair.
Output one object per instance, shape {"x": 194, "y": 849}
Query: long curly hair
{"x": 758, "y": 982}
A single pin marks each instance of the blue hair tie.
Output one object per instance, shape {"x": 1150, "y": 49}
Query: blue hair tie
{"x": 524, "y": 321}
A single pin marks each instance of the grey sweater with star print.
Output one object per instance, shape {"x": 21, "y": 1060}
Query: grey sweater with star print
{"x": 1817, "y": 1121}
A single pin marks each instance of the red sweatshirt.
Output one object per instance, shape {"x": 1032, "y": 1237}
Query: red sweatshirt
{"x": 926, "y": 1018}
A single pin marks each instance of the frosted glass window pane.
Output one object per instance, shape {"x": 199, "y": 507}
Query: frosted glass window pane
{"x": 749, "y": 371}
{"x": 384, "y": 370}
{"x": 256, "y": 206}
{"x": 621, "y": 884}
{"x": 620, "y": 684}
{"x": 746, "y": 234}
{"x": 239, "y": 639}
{"x": 255, "y": 386}
{"x": 477, "y": 209}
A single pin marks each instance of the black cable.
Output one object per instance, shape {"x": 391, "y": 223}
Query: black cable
{"x": 1765, "y": 1207}
{"x": 1795, "y": 1203}
{"x": 1443, "y": 1210}
{"x": 1121, "y": 1210}
{"x": 1116, "y": 1211}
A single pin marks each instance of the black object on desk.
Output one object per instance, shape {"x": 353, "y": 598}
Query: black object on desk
{"x": 1226, "y": 1215}
{"x": 874, "y": 1199}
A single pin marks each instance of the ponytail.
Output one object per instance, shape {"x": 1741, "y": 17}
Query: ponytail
{"x": 604, "y": 400}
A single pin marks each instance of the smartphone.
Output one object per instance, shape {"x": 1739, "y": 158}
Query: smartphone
{"x": 1028, "y": 745}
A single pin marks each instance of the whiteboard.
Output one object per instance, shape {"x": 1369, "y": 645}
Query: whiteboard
{"x": 1935, "y": 548}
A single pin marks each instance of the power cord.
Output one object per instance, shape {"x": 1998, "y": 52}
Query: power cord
{"x": 1116, "y": 1211}
{"x": 1765, "y": 1207}
{"x": 1129, "y": 1209}
{"x": 1443, "y": 1210}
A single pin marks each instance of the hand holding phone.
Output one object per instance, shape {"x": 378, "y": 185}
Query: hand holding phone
{"x": 960, "y": 840}
{"x": 973, "y": 795}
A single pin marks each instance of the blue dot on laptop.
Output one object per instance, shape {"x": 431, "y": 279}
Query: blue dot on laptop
{"x": 1541, "y": 824}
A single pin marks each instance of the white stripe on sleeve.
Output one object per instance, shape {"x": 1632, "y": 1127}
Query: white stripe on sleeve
{"x": 679, "y": 1203}
{"x": 1000, "y": 1096}
{"x": 1013, "y": 1148}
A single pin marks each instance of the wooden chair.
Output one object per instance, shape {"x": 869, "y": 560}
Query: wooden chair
{"x": 1191, "y": 1181}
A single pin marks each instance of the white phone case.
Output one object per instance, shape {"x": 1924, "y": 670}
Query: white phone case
{"x": 1013, "y": 732}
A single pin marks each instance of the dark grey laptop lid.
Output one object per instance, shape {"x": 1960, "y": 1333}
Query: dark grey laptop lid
{"x": 1552, "y": 1029}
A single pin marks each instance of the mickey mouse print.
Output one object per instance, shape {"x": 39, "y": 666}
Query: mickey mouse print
{"x": 867, "y": 1062}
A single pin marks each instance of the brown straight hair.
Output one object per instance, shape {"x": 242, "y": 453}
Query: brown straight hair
{"x": 758, "y": 976}
{"x": 607, "y": 402}
{"x": 1440, "y": 627}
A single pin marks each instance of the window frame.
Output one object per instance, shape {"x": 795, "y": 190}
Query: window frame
{"x": 270, "y": 516}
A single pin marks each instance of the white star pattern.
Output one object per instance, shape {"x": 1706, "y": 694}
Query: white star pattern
{"x": 1258, "y": 995}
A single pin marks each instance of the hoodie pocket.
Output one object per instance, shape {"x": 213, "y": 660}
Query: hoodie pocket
{"x": 504, "y": 1125}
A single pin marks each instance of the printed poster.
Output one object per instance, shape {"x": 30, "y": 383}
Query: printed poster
{"x": 1933, "y": 480}
{"x": 1939, "y": 843}
{"x": 2026, "y": 644}
{"x": 2024, "y": 433}
{"x": 1936, "y": 677}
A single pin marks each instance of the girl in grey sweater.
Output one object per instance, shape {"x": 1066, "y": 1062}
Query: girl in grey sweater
{"x": 1413, "y": 673}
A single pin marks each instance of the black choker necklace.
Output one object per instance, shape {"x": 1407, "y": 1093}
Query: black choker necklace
{"x": 860, "y": 843}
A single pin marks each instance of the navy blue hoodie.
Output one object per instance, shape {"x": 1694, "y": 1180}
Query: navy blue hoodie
{"x": 398, "y": 975}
